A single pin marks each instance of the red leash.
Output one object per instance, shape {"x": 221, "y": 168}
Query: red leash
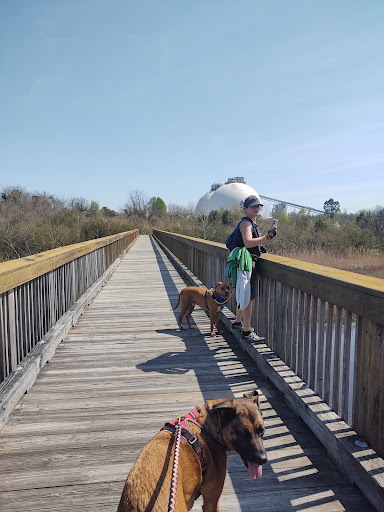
{"x": 175, "y": 468}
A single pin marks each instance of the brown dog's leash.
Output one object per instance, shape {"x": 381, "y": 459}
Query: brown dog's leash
{"x": 175, "y": 468}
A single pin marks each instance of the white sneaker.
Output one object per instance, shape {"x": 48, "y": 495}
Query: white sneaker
{"x": 239, "y": 327}
{"x": 252, "y": 337}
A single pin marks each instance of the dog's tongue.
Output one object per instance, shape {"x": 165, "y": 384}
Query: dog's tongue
{"x": 255, "y": 470}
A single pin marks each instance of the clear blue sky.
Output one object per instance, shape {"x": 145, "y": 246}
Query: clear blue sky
{"x": 101, "y": 97}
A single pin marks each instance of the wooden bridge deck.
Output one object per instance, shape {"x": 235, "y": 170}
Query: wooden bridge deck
{"x": 121, "y": 373}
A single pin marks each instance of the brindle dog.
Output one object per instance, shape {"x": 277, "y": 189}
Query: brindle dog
{"x": 225, "y": 424}
{"x": 192, "y": 295}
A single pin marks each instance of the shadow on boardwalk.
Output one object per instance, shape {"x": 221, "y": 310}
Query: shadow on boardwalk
{"x": 299, "y": 475}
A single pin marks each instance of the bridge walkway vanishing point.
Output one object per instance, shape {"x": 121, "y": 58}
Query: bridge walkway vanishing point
{"x": 120, "y": 374}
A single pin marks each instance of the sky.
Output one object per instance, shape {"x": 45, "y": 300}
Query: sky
{"x": 99, "y": 98}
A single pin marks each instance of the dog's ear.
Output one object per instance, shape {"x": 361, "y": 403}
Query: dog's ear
{"x": 227, "y": 409}
{"x": 252, "y": 395}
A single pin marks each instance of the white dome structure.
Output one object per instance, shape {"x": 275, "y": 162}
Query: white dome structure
{"x": 203, "y": 203}
{"x": 225, "y": 196}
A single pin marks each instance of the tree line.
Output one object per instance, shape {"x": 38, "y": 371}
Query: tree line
{"x": 35, "y": 222}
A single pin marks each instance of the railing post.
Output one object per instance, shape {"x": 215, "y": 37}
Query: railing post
{"x": 11, "y": 322}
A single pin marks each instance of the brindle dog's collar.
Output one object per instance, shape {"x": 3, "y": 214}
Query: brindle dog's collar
{"x": 219, "y": 437}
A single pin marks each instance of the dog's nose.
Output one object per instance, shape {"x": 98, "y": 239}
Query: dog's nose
{"x": 263, "y": 458}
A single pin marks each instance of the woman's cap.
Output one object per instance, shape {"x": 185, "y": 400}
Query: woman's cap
{"x": 252, "y": 201}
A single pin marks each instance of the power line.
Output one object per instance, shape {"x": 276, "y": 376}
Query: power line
{"x": 309, "y": 208}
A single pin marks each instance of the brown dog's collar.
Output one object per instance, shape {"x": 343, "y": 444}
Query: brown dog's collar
{"x": 219, "y": 299}
{"x": 212, "y": 293}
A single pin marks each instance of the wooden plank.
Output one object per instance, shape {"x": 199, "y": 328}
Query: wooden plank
{"x": 357, "y": 404}
{"x": 283, "y": 322}
{"x": 3, "y": 339}
{"x": 27, "y": 317}
{"x": 275, "y": 317}
{"x": 23, "y": 318}
{"x": 319, "y": 387}
{"x": 11, "y": 321}
{"x": 314, "y": 355}
{"x": 346, "y": 368}
{"x": 263, "y": 305}
{"x": 306, "y": 339}
{"x": 337, "y": 361}
{"x": 289, "y": 327}
{"x": 300, "y": 334}
{"x": 328, "y": 356}
{"x": 18, "y": 316}
{"x": 378, "y": 388}
{"x": 295, "y": 331}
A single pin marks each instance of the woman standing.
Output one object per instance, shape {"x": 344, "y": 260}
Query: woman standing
{"x": 250, "y": 237}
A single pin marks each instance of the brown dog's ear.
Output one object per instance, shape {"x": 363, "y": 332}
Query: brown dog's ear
{"x": 252, "y": 395}
{"x": 227, "y": 408}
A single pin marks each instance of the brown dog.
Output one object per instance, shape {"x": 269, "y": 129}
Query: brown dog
{"x": 221, "y": 425}
{"x": 212, "y": 300}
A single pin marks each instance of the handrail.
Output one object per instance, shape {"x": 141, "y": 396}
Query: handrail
{"x": 329, "y": 284}
{"x": 14, "y": 273}
{"x": 325, "y": 324}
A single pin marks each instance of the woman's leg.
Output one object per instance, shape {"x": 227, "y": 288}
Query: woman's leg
{"x": 247, "y": 313}
{"x": 239, "y": 316}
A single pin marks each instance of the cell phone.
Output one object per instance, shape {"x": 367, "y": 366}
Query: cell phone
{"x": 275, "y": 221}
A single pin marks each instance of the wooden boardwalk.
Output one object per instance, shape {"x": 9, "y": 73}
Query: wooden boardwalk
{"x": 121, "y": 373}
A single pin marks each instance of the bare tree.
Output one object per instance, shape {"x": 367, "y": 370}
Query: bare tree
{"x": 137, "y": 204}
{"x": 203, "y": 225}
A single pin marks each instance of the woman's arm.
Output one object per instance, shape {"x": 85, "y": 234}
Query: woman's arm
{"x": 249, "y": 241}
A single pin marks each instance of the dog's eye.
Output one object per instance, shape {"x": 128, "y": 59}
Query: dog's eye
{"x": 260, "y": 431}
{"x": 245, "y": 433}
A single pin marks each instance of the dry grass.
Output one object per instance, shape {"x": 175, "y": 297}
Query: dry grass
{"x": 369, "y": 263}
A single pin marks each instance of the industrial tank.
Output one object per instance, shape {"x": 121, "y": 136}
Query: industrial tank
{"x": 232, "y": 193}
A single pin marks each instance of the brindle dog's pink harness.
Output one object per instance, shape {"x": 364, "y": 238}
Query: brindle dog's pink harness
{"x": 180, "y": 427}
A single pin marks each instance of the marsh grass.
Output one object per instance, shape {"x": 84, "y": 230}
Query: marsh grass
{"x": 370, "y": 263}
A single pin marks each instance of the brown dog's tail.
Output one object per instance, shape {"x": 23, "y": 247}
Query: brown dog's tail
{"x": 178, "y": 302}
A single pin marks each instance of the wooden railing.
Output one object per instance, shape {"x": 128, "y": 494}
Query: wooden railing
{"x": 325, "y": 324}
{"x": 37, "y": 290}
